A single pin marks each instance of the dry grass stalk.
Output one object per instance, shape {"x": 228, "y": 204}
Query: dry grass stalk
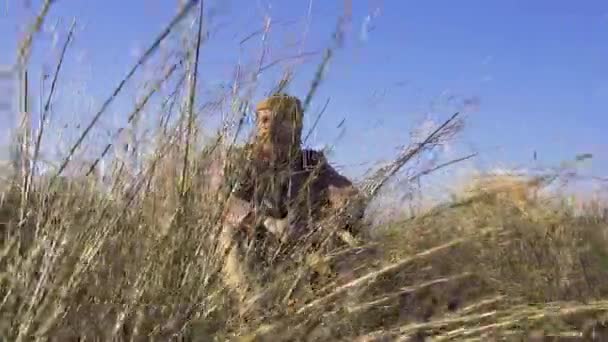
{"x": 140, "y": 261}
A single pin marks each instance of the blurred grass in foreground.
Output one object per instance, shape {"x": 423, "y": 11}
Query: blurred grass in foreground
{"x": 492, "y": 263}
{"x": 131, "y": 255}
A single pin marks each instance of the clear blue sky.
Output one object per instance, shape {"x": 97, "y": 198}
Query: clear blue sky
{"x": 536, "y": 70}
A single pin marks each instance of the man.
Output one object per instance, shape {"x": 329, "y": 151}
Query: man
{"x": 281, "y": 187}
{"x": 284, "y": 181}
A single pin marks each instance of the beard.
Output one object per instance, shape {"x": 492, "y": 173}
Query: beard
{"x": 274, "y": 148}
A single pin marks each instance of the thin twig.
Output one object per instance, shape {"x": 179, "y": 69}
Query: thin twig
{"x": 50, "y": 96}
{"x": 314, "y": 125}
{"x": 132, "y": 116}
{"x": 441, "y": 166}
{"x": 192, "y": 96}
{"x": 279, "y": 60}
{"x": 316, "y": 82}
{"x": 117, "y": 90}
{"x": 25, "y": 47}
{"x": 388, "y": 298}
{"x": 374, "y": 275}
{"x": 23, "y": 55}
{"x": 379, "y": 179}
{"x": 165, "y": 119}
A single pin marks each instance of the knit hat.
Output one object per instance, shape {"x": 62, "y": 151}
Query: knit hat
{"x": 285, "y": 107}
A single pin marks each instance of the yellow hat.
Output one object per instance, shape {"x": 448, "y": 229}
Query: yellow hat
{"x": 287, "y": 107}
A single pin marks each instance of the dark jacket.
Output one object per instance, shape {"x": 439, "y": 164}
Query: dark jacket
{"x": 307, "y": 189}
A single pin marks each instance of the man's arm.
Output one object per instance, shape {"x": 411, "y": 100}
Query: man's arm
{"x": 341, "y": 193}
{"x": 222, "y": 175}
{"x": 345, "y": 200}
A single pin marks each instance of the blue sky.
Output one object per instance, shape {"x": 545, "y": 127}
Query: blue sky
{"x": 536, "y": 71}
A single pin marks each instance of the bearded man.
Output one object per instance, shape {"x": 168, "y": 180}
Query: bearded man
{"x": 281, "y": 187}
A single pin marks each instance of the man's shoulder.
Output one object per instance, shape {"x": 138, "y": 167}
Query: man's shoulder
{"x": 313, "y": 158}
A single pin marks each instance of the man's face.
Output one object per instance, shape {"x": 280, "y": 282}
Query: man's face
{"x": 274, "y": 128}
{"x": 264, "y": 122}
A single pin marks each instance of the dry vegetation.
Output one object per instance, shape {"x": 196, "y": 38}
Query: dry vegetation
{"x": 133, "y": 259}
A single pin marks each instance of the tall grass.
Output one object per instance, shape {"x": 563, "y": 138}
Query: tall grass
{"x": 134, "y": 256}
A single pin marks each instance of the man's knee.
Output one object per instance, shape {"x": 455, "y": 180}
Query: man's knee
{"x": 233, "y": 268}
{"x": 226, "y": 238}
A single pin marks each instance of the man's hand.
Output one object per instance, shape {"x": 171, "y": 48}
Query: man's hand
{"x": 278, "y": 227}
{"x": 237, "y": 211}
